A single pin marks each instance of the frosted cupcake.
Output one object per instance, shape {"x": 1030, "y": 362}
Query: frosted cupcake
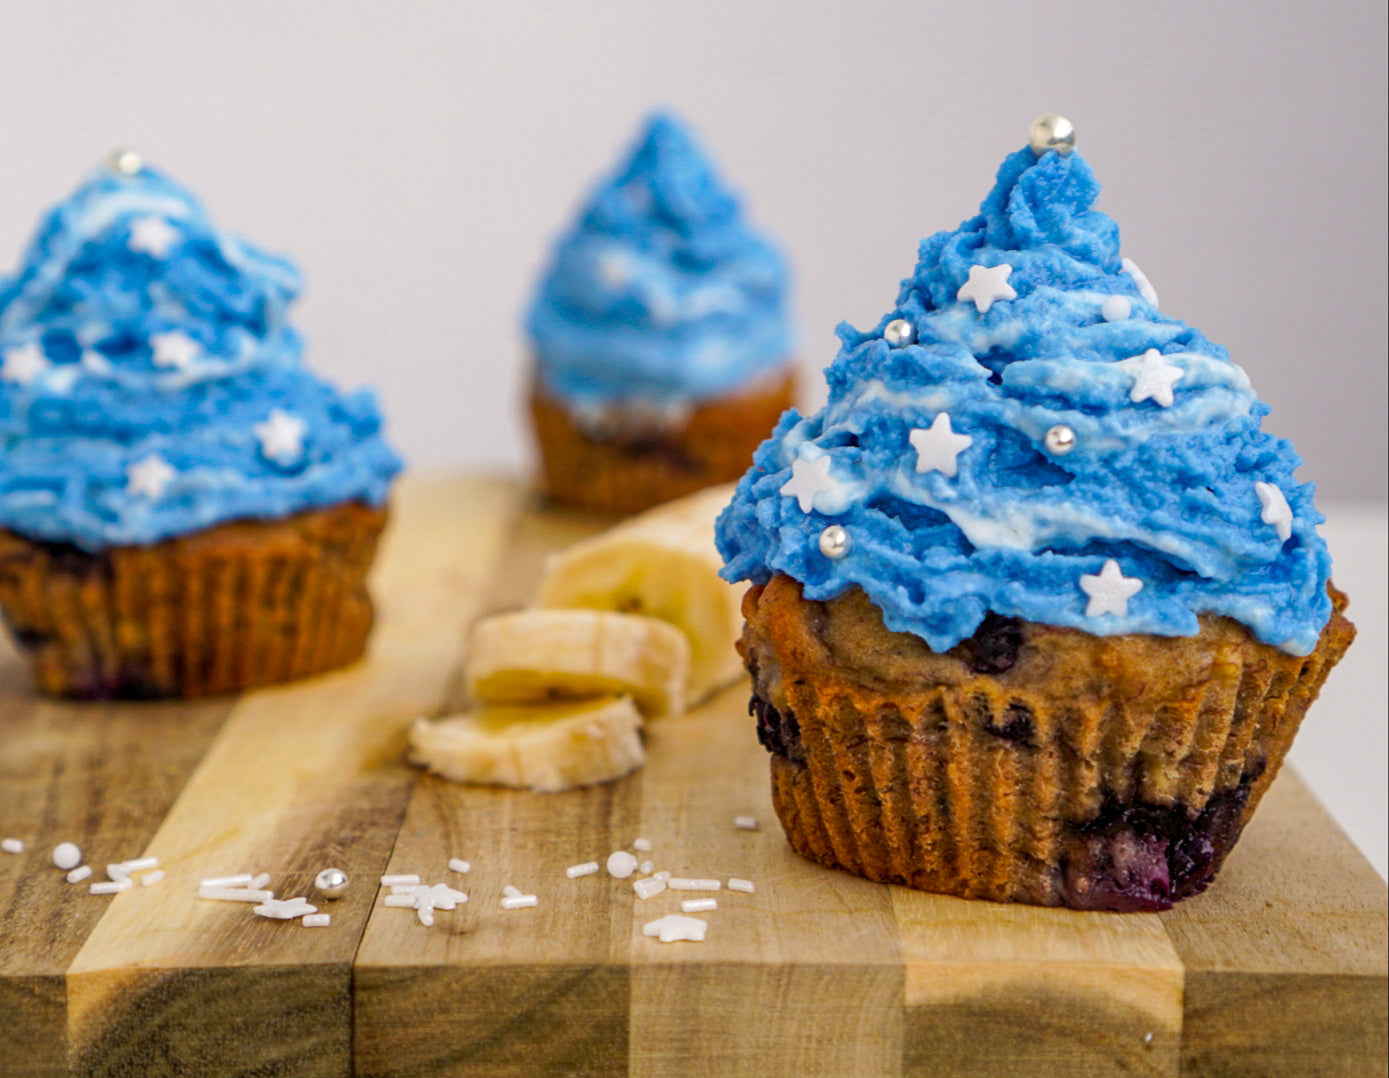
{"x": 1037, "y": 605}
{"x": 184, "y": 508}
{"x": 661, "y": 335}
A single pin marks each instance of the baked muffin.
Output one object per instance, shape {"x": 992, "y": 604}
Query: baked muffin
{"x": 184, "y": 508}
{"x": 661, "y": 335}
{"x": 1037, "y": 606}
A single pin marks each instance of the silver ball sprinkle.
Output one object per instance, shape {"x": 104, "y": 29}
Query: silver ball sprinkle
{"x": 834, "y": 542}
{"x": 1052, "y": 132}
{"x": 331, "y": 883}
{"x": 899, "y": 333}
{"x": 1060, "y": 440}
{"x": 127, "y": 162}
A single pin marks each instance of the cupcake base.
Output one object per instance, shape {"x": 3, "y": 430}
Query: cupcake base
{"x": 629, "y": 463}
{"x": 1029, "y": 763}
{"x": 232, "y": 607}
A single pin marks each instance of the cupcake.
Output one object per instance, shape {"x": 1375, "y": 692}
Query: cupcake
{"x": 184, "y": 508}
{"x": 1037, "y": 607}
{"x": 661, "y": 335}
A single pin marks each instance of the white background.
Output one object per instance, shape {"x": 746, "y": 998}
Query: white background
{"x": 417, "y": 159}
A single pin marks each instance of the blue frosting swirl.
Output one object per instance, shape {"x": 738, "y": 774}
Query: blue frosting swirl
{"x": 659, "y": 292}
{"x": 151, "y": 385}
{"x": 934, "y": 455}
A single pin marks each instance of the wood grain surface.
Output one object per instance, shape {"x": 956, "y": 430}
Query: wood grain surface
{"x": 1279, "y": 969}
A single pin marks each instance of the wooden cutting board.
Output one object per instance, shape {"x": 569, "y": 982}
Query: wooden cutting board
{"x": 1280, "y": 969}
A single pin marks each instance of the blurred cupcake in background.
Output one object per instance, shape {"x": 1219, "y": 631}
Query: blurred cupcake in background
{"x": 185, "y": 508}
{"x": 661, "y": 334}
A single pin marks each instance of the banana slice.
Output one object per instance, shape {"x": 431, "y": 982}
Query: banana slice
{"x": 661, "y": 563}
{"x": 539, "y": 656}
{"x": 549, "y": 748}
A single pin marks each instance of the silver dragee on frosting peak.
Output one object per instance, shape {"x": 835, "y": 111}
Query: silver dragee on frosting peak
{"x": 150, "y": 384}
{"x": 1025, "y": 432}
{"x": 660, "y": 291}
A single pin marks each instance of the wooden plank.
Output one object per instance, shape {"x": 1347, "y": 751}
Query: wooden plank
{"x": 1287, "y": 955}
{"x": 100, "y": 775}
{"x": 487, "y": 991}
{"x": 299, "y": 777}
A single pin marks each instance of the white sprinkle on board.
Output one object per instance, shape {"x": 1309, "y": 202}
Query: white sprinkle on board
{"x": 67, "y": 856}
{"x": 227, "y": 881}
{"x": 735, "y": 884}
{"x": 588, "y": 868}
{"x": 621, "y": 864}
{"x": 149, "y": 879}
{"x": 648, "y": 888}
{"x": 745, "y": 823}
{"x": 457, "y": 864}
{"x": 80, "y": 873}
{"x": 11, "y": 845}
{"x": 408, "y": 877}
{"x": 674, "y": 927}
{"x": 517, "y": 902}
{"x": 682, "y": 883}
{"x": 699, "y": 905}
{"x": 111, "y": 887}
{"x": 317, "y": 920}
{"x": 642, "y": 845}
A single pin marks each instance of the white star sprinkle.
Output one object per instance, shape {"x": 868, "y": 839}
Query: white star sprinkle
{"x": 1145, "y": 286}
{"x": 1109, "y": 591}
{"x": 25, "y": 363}
{"x": 281, "y": 436}
{"x": 152, "y": 235}
{"x": 985, "y": 285}
{"x": 1153, "y": 377}
{"x": 174, "y": 349}
{"x": 149, "y": 477}
{"x": 1276, "y": 510}
{"x": 809, "y": 478}
{"x": 443, "y": 897}
{"x": 937, "y": 446}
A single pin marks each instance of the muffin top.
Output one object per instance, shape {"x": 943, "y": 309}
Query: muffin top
{"x": 1025, "y": 432}
{"x": 660, "y": 292}
{"x": 151, "y": 385}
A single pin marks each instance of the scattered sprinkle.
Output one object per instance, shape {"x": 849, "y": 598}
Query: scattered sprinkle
{"x": 745, "y": 823}
{"x": 664, "y": 874}
{"x": 735, "y": 884}
{"x": 387, "y": 881}
{"x": 235, "y": 894}
{"x": 406, "y": 902}
{"x": 645, "y": 868}
{"x": 111, "y": 887}
{"x": 284, "y": 909}
{"x": 407, "y": 888}
{"x": 680, "y": 883}
{"x": 11, "y": 845}
{"x": 117, "y": 872}
{"x": 457, "y": 864}
{"x": 226, "y": 881}
{"x": 66, "y": 855}
{"x": 149, "y": 879}
{"x": 443, "y": 897}
{"x": 425, "y": 912}
{"x": 621, "y": 864}
{"x": 80, "y": 873}
{"x": 648, "y": 888}
{"x": 260, "y": 881}
{"x": 642, "y": 844}
{"x": 675, "y": 926}
{"x": 699, "y": 905}
{"x": 139, "y": 864}
{"x": 518, "y": 902}
{"x": 511, "y": 890}
{"x": 317, "y": 920}
{"x": 588, "y": 868}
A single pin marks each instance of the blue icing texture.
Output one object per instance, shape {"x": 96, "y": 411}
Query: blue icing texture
{"x": 659, "y": 292}
{"x": 933, "y": 452}
{"x": 151, "y": 385}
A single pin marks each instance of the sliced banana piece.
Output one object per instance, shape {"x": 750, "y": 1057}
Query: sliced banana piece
{"x": 661, "y": 563}
{"x": 549, "y": 748}
{"x": 538, "y": 656}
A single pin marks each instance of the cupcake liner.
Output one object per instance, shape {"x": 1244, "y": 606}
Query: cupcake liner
{"x": 641, "y": 463}
{"x": 238, "y": 605}
{"x": 1094, "y": 772}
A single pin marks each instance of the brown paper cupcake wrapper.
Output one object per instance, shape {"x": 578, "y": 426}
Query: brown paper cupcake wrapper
{"x": 1092, "y": 772}
{"x": 238, "y": 605}
{"x": 639, "y": 463}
